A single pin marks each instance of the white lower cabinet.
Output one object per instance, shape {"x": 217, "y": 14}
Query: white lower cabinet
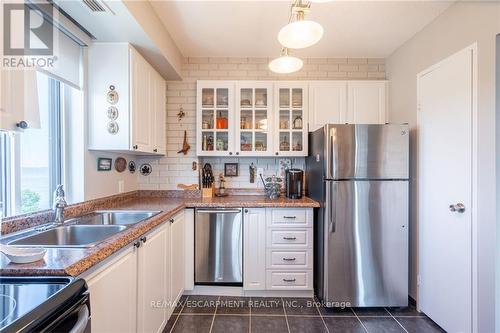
{"x": 113, "y": 295}
{"x": 136, "y": 291}
{"x": 177, "y": 256}
{"x": 254, "y": 249}
{"x": 289, "y": 280}
{"x": 289, "y": 259}
{"x": 278, "y": 249}
{"x": 153, "y": 280}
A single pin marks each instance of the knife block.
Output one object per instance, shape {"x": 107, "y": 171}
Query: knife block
{"x": 208, "y": 192}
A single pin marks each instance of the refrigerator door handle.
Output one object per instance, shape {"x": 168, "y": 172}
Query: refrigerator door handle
{"x": 330, "y": 194}
{"x": 329, "y": 153}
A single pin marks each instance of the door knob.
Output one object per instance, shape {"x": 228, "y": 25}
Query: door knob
{"x": 459, "y": 208}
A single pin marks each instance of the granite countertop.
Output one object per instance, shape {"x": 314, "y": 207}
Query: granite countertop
{"x": 73, "y": 262}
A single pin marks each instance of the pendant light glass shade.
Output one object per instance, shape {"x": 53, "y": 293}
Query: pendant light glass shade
{"x": 300, "y": 34}
{"x": 285, "y": 64}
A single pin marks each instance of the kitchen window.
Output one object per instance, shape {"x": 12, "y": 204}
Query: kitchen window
{"x": 32, "y": 161}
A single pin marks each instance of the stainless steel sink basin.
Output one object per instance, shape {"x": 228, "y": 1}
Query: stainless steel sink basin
{"x": 70, "y": 236}
{"x": 113, "y": 217}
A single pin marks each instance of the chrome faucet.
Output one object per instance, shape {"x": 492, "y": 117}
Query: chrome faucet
{"x": 59, "y": 204}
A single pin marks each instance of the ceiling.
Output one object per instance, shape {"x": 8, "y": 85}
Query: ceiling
{"x": 250, "y": 28}
{"x": 118, "y": 24}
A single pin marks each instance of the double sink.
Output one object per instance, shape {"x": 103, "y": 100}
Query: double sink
{"x": 80, "y": 232}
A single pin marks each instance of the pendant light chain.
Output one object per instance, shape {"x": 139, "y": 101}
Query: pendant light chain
{"x": 298, "y": 33}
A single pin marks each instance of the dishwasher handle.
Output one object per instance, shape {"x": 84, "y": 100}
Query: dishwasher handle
{"x": 218, "y": 211}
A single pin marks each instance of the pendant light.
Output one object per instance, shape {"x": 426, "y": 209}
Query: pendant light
{"x": 285, "y": 63}
{"x": 301, "y": 33}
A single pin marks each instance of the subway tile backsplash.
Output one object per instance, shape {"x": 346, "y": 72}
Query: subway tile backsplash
{"x": 269, "y": 165}
{"x": 176, "y": 168}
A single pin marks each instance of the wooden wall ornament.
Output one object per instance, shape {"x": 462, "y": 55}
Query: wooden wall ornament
{"x": 185, "y": 145}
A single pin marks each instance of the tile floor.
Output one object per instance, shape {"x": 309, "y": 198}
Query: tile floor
{"x": 213, "y": 314}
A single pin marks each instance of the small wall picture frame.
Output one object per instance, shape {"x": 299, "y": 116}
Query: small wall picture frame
{"x": 104, "y": 164}
{"x": 231, "y": 169}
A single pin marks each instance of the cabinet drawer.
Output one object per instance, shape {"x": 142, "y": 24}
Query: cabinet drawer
{"x": 302, "y": 238}
{"x": 290, "y": 218}
{"x": 286, "y": 280}
{"x": 286, "y": 259}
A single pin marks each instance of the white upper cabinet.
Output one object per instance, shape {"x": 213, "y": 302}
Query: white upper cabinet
{"x": 254, "y": 118}
{"x": 352, "y": 102}
{"x": 243, "y": 118}
{"x": 160, "y": 122}
{"x": 327, "y": 103}
{"x": 127, "y": 101}
{"x": 273, "y": 118}
{"x": 366, "y": 102}
{"x": 142, "y": 103}
{"x": 290, "y": 129}
{"x": 215, "y": 118}
{"x": 18, "y": 99}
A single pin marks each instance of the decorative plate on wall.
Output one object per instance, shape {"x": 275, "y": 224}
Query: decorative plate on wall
{"x": 146, "y": 169}
{"x": 112, "y": 96}
{"x": 120, "y": 164}
{"x": 131, "y": 166}
{"x": 113, "y": 127}
{"x": 112, "y": 112}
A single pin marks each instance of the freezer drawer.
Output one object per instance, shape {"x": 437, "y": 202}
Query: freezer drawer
{"x": 366, "y": 243}
{"x": 218, "y": 246}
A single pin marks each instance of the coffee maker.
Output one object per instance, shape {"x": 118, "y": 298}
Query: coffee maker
{"x": 294, "y": 179}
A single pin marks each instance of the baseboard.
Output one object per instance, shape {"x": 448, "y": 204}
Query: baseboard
{"x": 239, "y": 291}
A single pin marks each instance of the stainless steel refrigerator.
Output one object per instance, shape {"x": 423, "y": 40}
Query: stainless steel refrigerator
{"x": 359, "y": 174}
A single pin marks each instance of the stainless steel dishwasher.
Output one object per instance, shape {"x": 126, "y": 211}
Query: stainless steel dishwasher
{"x": 218, "y": 247}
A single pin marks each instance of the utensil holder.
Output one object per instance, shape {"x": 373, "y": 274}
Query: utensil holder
{"x": 208, "y": 192}
{"x": 272, "y": 190}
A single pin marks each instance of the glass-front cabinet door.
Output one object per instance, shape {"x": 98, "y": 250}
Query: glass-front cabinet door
{"x": 254, "y": 115}
{"x": 290, "y": 129}
{"x": 215, "y": 114}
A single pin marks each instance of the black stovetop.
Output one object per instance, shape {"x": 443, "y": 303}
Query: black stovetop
{"x": 21, "y": 296}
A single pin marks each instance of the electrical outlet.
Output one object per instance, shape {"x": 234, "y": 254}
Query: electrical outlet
{"x": 284, "y": 164}
{"x": 121, "y": 186}
{"x": 260, "y": 171}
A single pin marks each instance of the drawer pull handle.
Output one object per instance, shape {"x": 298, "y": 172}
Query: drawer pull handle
{"x": 289, "y": 259}
{"x": 289, "y": 238}
{"x": 289, "y": 280}
{"x": 289, "y": 217}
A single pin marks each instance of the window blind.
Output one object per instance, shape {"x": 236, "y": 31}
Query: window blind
{"x": 67, "y": 50}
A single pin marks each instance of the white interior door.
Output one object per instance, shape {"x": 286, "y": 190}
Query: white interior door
{"x": 445, "y": 178}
